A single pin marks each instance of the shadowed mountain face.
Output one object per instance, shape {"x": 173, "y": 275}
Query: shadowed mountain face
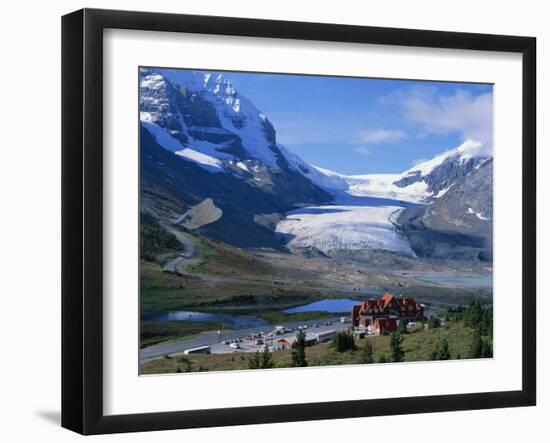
{"x": 457, "y": 225}
{"x": 170, "y": 186}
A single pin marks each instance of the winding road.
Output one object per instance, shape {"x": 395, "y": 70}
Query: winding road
{"x": 190, "y": 250}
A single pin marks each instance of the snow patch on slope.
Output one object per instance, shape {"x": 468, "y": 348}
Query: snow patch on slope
{"x": 166, "y": 141}
{"x": 162, "y": 136}
{"x": 479, "y": 215}
{"x": 242, "y": 166}
{"x": 209, "y": 163}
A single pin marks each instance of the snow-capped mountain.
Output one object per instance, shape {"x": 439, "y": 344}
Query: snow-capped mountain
{"x": 202, "y": 140}
{"x": 430, "y": 210}
{"x": 422, "y": 183}
{"x": 203, "y": 119}
{"x": 206, "y": 115}
{"x": 458, "y": 224}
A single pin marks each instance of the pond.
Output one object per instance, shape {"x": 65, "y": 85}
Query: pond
{"x": 338, "y": 305}
{"x": 231, "y": 321}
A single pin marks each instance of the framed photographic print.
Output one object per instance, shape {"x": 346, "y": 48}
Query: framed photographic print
{"x": 311, "y": 221}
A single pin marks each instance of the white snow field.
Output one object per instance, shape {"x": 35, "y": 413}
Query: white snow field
{"x": 383, "y": 185}
{"x": 330, "y": 228}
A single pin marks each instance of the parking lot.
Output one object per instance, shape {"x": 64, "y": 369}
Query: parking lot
{"x": 258, "y": 340}
{"x": 216, "y": 339}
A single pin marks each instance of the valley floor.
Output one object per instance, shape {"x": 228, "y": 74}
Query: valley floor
{"x": 417, "y": 346}
{"x": 226, "y": 288}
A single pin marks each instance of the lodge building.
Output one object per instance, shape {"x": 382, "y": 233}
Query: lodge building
{"x": 380, "y": 315}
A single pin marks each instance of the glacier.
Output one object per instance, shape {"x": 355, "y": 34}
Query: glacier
{"x": 344, "y": 228}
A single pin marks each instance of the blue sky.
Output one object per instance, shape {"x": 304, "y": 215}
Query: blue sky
{"x": 360, "y": 126}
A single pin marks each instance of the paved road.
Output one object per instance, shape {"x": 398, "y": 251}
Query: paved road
{"x": 212, "y": 338}
{"x": 190, "y": 250}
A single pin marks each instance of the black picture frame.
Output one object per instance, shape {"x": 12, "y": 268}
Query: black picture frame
{"x": 82, "y": 218}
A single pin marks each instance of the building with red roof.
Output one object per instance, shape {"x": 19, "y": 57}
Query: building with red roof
{"x": 388, "y": 307}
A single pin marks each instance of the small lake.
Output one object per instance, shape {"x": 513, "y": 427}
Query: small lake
{"x": 232, "y": 321}
{"x": 339, "y": 305}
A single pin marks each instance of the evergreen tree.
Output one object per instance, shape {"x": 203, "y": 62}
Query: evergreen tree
{"x": 261, "y": 360}
{"x": 474, "y": 314}
{"x": 267, "y": 358}
{"x": 444, "y": 353}
{"x": 403, "y": 326}
{"x": 434, "y": 322}
{"x": 396, "y": 351}
{"x": 299, "y": 350}
{"x": 486, "y": 349}
{"x": 487, "y": 323}
{"x": 455, "y": 314}
{"x": 343, "y": 341}
{"x": 366, "y": 354}
{"x": 187, "y": 363}
{"x": 441, "y": 351}
{"x": 154, "y": 239}
{"x": 476, "y": 344}
{"x": 255, "y": 361}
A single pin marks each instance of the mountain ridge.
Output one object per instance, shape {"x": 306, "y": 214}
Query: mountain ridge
{"x": 202, "y": 127}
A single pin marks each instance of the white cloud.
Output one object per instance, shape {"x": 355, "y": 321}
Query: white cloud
{"x": 469, "y": 115}
{"x": 363, "y": 150}
{"x": 377, "y": 136}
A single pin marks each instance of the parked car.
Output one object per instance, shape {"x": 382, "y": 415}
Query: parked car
{"x": 235, "y": 345}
